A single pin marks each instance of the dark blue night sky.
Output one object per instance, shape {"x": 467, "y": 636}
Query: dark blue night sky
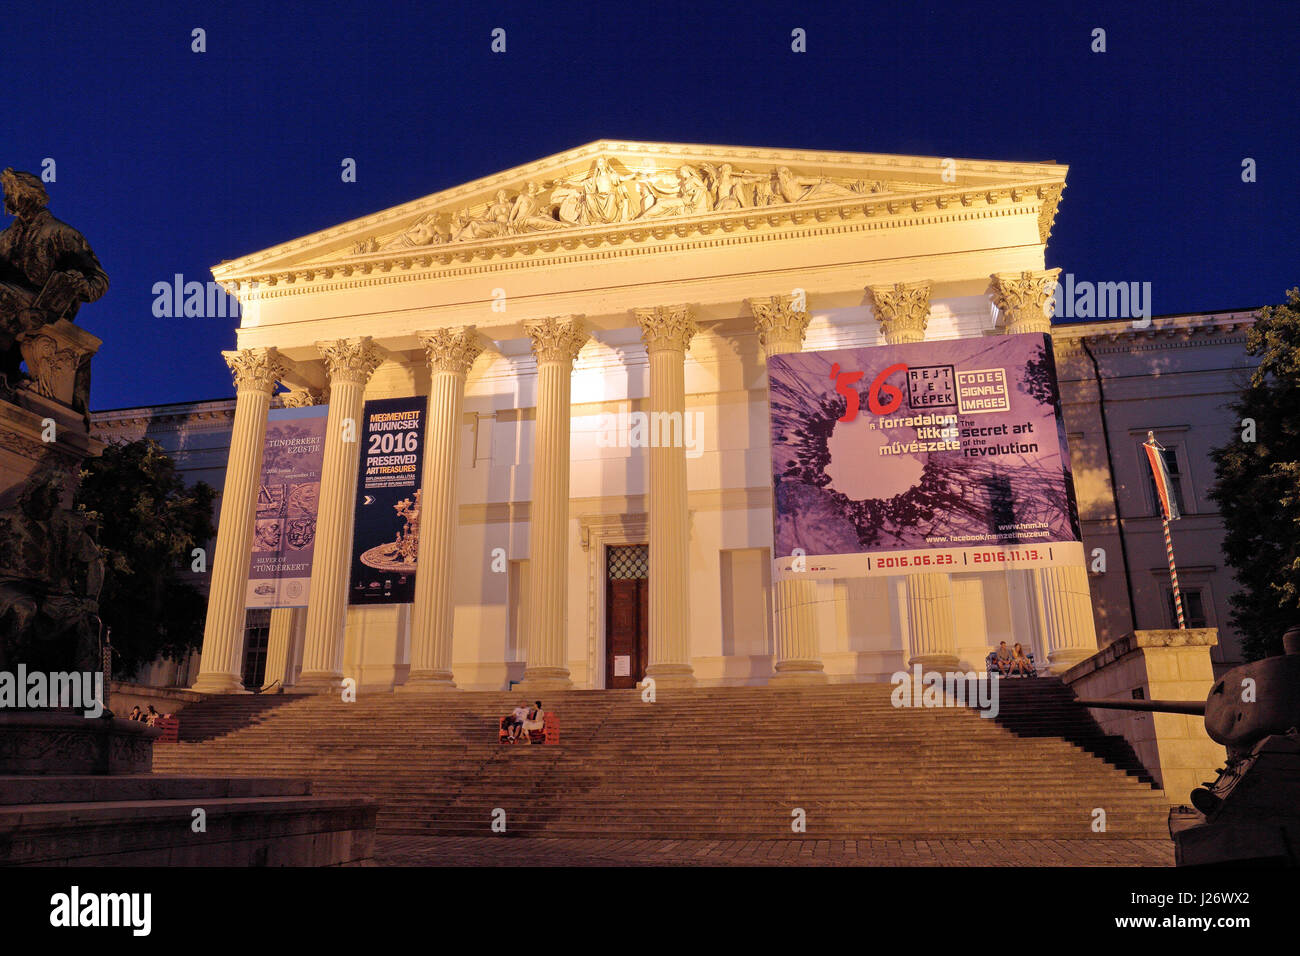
{"x": 171, "y": 161}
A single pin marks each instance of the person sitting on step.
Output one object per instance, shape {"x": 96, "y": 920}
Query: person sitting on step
{"x": 1003, "y": 659}
{"x": 534, "y": 722}
{"x": 515, "y": 721}
{"x": 1021, "y": 663}
{"x": 136, "y": 713}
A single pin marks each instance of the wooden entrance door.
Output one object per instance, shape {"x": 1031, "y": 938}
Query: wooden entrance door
{"x": 627, "y": 614}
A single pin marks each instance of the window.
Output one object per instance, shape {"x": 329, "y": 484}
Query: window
{"x": 1193, "y": 607}
{"x": 1170, "y": 455}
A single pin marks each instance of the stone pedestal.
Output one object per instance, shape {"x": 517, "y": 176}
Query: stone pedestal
{"x": 39, "y": 426}
{"x": 68, "y": 743}
{"x": 1168, "y": 665}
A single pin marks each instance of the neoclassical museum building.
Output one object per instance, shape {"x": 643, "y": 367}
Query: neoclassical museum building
{"x": 535, "y": 312}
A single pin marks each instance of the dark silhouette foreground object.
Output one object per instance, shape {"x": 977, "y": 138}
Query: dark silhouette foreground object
{"x": 1250, "y": 814}
{"x": 47, "y": 270}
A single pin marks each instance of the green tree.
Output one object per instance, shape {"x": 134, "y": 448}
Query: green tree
{"x": 150, "y": 522}
{"x": 1258, "y": 484}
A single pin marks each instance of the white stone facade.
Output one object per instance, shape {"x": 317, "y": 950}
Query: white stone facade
{"x": 627, "y": 309}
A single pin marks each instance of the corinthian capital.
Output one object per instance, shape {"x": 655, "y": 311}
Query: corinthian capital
{"x": 1025, "y": 299}
{"x": 903, "y": 310}
{"x": 350, "y": 360}
{"x": 257, "y": 369}
{"x": 305, "y": 397}
{"x": 557, "y": 338}
{"x": 781, "y": 327}
{"x": 666, "y": 327}
{"x": 451, "y": 350}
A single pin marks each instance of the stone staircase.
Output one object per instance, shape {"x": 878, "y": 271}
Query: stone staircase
{"x": 721, "y": 763}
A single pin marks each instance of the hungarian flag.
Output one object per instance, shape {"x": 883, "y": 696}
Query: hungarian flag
{"x": 1160, "y": 472}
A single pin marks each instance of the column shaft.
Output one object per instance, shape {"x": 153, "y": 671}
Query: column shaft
{"x": 221, "y": 667}
{"x": 350, "y": 364}
{"x": 555, "y": 344}
{"x": 667, "y": 332}
{"x": 285, "y": 626}
{"x": 450, "y": 353}
{"x": 931, "y": 642}
{"x": 797, "y": 658}
{"x": 1069, "y": 633}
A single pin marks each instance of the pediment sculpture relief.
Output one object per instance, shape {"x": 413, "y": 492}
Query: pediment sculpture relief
{"x": 604, "y": 196}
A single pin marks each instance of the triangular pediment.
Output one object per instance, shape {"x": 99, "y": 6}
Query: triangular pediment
{"x": 610, "y": 187}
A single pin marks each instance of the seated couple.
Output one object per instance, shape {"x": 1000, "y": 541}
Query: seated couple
{"x": 524, "y": 721}
{"x": 1013, "y": 661}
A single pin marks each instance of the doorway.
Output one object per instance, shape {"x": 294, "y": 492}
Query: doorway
{"x": 627, "y": 614}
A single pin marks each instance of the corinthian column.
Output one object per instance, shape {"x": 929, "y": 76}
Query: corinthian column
{"x": 781, "y": 330}
{"x": 667, "y": 332}
{"x": 256, "y": 371}
{"x": 1024, "y": 299}
{"x": 450, "y": 353}
{"x": 1026, "y": 302}
{"x": 930, "y": 639}
{"x": 350, "y": 363}
{"x": 903, "y": 310}
{"x": 556, "y": 342}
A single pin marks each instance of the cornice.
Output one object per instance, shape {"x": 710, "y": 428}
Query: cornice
{"x": 657, "y": 237}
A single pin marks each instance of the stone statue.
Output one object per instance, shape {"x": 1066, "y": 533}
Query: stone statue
{"x": 424, "y": 232}
{"x": 691, "y": 197}
{"x": 599, "y": 197}
{"x": 604, "y": 197}
{"x": 529, "y": 214}
{"x": 47, "y": 270}
{"x": 51, "y": 572}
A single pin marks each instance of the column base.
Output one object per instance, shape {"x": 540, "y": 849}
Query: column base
{"x": 671, "y": 675}
{"x": 427, "y": 682}
{"x": 1058, "y": 662}
{"x": 537, "y": 679}
{"x": 798, "y": 672}
{"x": 218, "y": 684}
{"x": 945, "y": 663}
{"x": 317, "y": 684}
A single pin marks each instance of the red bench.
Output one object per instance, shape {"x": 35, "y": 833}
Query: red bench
{"x": 171, "y": 729}
{"x": 549, "y": 734}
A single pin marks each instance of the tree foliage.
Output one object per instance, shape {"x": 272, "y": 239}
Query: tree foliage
{"x": 1258, "y": 485}
{"x": 150, "y": 523}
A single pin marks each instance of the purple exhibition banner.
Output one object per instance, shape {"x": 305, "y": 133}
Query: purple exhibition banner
{"x": 944, "y": 456}
{"x": 284, "y": 529}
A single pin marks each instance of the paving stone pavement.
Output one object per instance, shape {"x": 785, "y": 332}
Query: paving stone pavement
{"x": 542, "y": 851}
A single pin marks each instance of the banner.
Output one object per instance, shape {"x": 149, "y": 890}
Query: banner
{"x": 944, "y": 456}
{"x": 386, "y": 532}
{"x": 284, "y": 529}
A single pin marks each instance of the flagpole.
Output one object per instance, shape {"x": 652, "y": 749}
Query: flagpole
{"x": 1173, "y": 575}
{"x": 1168, "y": 512}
